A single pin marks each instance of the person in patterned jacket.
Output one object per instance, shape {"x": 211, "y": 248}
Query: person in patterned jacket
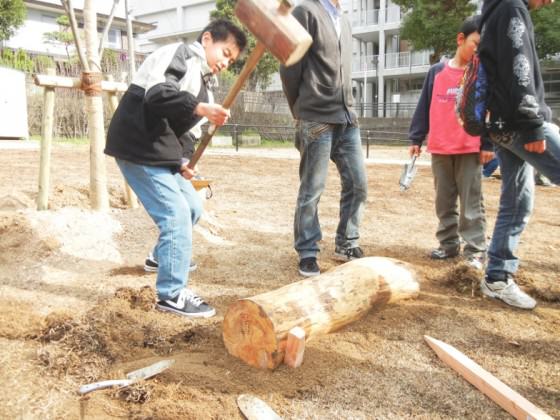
{"x": 521, "y": 129}
{"x": 150, "y": 139}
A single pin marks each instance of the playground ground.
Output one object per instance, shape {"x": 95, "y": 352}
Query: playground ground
{"x": 76, "y": 305}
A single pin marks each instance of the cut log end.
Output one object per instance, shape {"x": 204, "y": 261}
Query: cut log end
{"x": 249, "y": 334}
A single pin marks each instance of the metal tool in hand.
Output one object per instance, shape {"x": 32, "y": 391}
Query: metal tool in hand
{"x": 409, "y": 171}
{"x": 276, "y": 30}
{"x": 131, "y": 377}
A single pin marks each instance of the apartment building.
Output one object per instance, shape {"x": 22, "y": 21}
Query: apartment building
{"x": 41, "y": 18}
{"x": 175, "y": 20}
{"x": 387, "y": 76}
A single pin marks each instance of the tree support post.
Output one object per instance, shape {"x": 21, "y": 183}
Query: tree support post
{"x": 46, "y": 143}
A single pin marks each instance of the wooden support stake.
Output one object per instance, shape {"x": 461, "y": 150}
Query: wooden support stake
{"x": 46, "y": 144}
{"x": 295, "y": 347}
{"x": 496, "y": 390}
{"x": 50, "y": 80}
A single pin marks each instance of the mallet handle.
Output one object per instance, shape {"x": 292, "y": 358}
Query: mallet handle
{"x": 248, "y": 68}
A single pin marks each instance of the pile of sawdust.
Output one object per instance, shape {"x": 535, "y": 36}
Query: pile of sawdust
{"x": 81, "y": 233}
{"x": 142, "y": 299}
{"x": 19, "y": 241}
{"x": 116, "y": 330}
{"x": 138, "y": 393}
{"x": 78, "y": 196}
{"x": 466, "y": 279}
{"x": 463, "y": 278}
{"x": 547, "y": 291}
{"x": 19, "y": 321}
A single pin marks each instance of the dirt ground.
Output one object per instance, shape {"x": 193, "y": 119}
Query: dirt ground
{"x": 76, "y": 305}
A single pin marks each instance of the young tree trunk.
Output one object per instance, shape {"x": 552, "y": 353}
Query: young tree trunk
{"x": 91, "y": 83}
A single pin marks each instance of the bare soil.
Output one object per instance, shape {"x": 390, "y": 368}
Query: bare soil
{"x": 76, "y": 305}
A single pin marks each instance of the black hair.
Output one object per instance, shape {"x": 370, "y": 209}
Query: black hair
{"x": 221, "y": 29}
{"x": 469, "y": 25}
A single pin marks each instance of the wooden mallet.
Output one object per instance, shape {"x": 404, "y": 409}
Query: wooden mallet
{"x": 276, "y": 30}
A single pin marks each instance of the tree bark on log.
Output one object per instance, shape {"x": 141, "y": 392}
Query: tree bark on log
{"x": 255, "y": 329}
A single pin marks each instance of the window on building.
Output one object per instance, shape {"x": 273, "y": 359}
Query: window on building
{"x": 50, "y": 19}
{"x": 113, "y": 38}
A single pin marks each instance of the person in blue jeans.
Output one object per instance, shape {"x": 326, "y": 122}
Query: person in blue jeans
{"x": 319, "y": 93}
{"x": 520, "y": 127}
{"x": 151, "y": 137}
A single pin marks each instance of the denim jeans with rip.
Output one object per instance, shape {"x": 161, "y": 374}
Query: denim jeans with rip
{"x": 174, "y": 206}
{"x": 517, "y": 195}
{"x": 318, "y": 143}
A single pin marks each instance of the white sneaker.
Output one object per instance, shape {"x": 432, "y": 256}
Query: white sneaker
{"x": 509, "y": 292}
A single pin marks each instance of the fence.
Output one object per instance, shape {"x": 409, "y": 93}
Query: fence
{"x": 386, "y": 110}
{"x": 286, "y": 134}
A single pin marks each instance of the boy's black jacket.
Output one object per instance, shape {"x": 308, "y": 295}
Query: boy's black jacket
{"x": 507, "y": 51}
{"x": 152, "y": 122}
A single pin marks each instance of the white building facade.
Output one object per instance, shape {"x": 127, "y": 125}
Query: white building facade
{"x": 175, "y": 20}
{"x": 387, "y": 75}
{"x": 42, "y": 18}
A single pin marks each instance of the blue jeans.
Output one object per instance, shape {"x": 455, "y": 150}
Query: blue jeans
{"x": 317, "y": 143}
{"x": 517, "y": 195}
{"x": 490, "y": 167}
{"x": 174, "y": 206}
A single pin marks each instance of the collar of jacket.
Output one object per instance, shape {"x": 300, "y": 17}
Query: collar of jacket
{"x": 210, "y": 80}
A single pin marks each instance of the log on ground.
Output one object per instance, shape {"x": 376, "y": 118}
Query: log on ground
{"x": 255, "y": 329}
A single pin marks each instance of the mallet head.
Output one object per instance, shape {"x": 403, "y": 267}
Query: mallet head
{"x": 273, "y": 25}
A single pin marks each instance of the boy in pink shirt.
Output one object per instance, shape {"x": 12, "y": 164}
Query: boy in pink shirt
{"x": 456, "y": 156}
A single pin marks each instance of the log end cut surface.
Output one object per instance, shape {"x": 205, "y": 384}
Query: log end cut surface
{"x": 249, "y": 334}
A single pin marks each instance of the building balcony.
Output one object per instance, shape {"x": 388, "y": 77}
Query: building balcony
{"x": 392, "y": 16}
{"x": 407, "y": 59}
{"x": 365, "y": 63}
{"x": 402, "y": 60}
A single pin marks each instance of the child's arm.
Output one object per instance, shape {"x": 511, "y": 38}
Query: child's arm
{"x": 420, "y": 124}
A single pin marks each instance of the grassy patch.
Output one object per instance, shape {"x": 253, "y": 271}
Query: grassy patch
{"x": 64, "y": 140}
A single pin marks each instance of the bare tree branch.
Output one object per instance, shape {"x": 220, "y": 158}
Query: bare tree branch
{"x": 107, "y": 27}
{"x": 74, "y": 26}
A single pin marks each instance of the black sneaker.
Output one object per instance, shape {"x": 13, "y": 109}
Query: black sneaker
{"x": 308, "y": 267}
{"x": 348, "y": 254}
{"x": 443, "y": 254}
{"x": 186, "y": 303}
{"x": 151, "y": 265}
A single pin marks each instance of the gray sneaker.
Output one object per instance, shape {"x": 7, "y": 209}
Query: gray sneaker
{"x": 151, "y": 265}
{"x": 507, "y": 291}
{"x": 187, "y": 303}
